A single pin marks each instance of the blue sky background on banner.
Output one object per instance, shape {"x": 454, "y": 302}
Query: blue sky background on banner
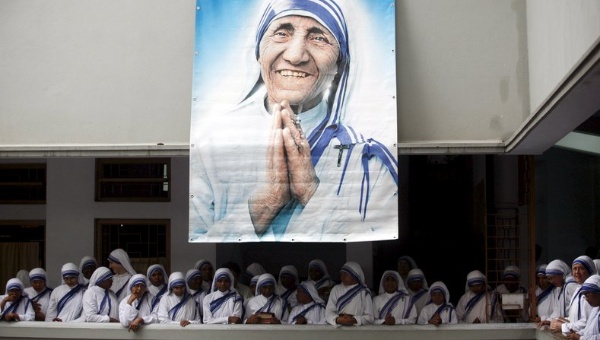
{"x": 225, "y": 67}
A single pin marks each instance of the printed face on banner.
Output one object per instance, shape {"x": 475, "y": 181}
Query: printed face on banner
{"x": 294, "y": 123}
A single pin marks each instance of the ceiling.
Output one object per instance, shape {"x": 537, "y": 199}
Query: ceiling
{"x": 570, "y": 117}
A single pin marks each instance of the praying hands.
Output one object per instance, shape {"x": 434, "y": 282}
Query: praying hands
{"x": 290, "y": 174}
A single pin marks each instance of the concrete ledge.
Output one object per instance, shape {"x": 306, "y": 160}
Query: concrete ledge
{"x": 42, "y": 330}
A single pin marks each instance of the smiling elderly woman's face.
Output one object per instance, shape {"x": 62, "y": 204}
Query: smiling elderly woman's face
{"x": 298, "y": 58}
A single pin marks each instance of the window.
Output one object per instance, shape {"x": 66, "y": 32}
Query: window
{"x": 133, "y": 180}
{"x": 22, "y": 246}
{"x": 23, "y": 183}
{"x": 146, "y": 241}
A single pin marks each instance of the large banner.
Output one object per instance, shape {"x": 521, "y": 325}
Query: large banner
{"x": 293, "y": 127}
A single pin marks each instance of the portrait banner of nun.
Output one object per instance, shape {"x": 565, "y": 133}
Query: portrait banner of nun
{"x": 293, "y": 124}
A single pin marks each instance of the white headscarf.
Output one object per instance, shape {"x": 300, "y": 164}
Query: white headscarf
{"x": 38, "y": 274}
{"x": 397, "y": 278}
{"x": 558, "y": 267}
{"x": 176, "y": 279}
{"x": 254, "y": 281}
{"x": 137, "y": 279}
{"x": 591, "y": 284}
{"x": 541, "y": 270}
{"x": 310, "y": 288}
{"x": 69, "y": 269}
{"x": 475, "y": 277}
{"x": 221, "y": 273}
{"x": 190, "y": 274}
{"x": 291, "y": 271}
{"x": 264, "y": 280}
{"x": 411, "y": 262}
{"x": 120, "y": 256}
{"x": 99, "y": 275}
{"x": 587, "y": 263}
{"x": 23, "y": 275}
{"x": 157, "y": 267}
{"x": 86, "y": 261}
{"x": 200, "y": 263}
{"x": 320, "y": 265}
{"x": 417, "y": 274}
{"x": 439, "y": 286}
{"x": 15, "y": 283}
{"x": 355, "y": 270}
{"x": 255, "y": 269}
{"x": 512, "y": 271}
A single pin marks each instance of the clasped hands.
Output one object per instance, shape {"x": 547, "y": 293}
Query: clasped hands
{"x": 290, "y": 174}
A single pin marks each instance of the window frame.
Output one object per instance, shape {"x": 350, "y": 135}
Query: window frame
{"x": 26, "y": 166}
{"x": 100, "y": 179}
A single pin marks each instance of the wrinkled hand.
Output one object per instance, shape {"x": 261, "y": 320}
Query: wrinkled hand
{"x": 289, "y": 174}
{"x": 303, "y": 178}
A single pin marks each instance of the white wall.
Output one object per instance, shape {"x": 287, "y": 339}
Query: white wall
{"x": 109, "y": 72}
{"x": 462, "y": 70}
{"x": 96, "y": 71}
{"x": 560, "y": 33}
{"x": 70, "y": 212}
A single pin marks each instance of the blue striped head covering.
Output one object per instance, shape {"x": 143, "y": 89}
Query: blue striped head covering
{"x": 439, "y": 287}
{"x": 201, "y": 263}
{"x": 69, "y": 270}
{"x": 475, "y": 277}
{"x": 417, "y": 274}
{"x": 319, "y": 265}
{"x": 121, "y": 257}
{"x": 511, "y": 272}
{"x": 355, "y": 270}
{"x": 222, "y": 273}
{"x": 100, "y": 275}
{"x": 14, "y": 283}
{"x": 176, "y": 279}
{"x": 309, "y": 288}
{"x": 587, "y": 263}
{"x": 104, "y": 277}
{"x": 558, "y": 267}
{"x": 591, "y": 284}
{"x": 191, "y": 274}
{"x": 38, "y": 274}
{"x": 157, "y": 268}
{"x": 329, "y": 14}
{"x": 394, "y": 274}
{"x": 289, "y": 271}
{"x": 136, "y": 280}
{"x": 541, "y": 270}
{"x": 87, "y": 261}
{"x": 254, "y": 280}
{"x": 264, "y": 280}
{"x": 326, "y": 12}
